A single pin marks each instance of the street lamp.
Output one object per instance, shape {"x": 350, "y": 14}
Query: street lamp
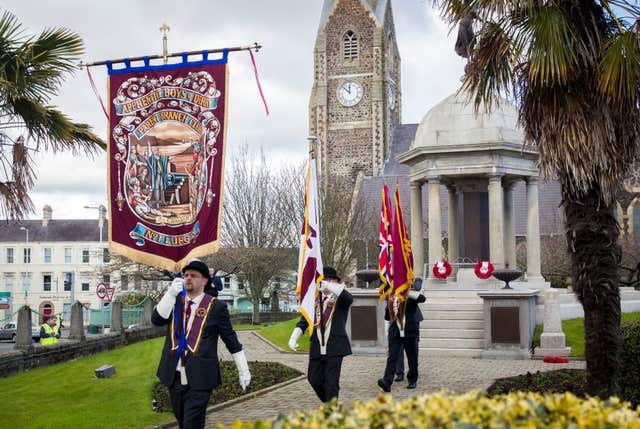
{"x": 25, "y": 280}
{"x": 101, "y": 210}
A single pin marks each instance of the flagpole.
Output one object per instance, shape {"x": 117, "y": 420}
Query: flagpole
{"x": 313, "y": 156}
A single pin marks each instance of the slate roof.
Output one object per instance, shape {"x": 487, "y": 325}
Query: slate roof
{"x": 56, "y": 230}
{"x": 549, "y": 193}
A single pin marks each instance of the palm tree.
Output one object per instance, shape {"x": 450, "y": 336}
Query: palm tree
{"x": 31, "y": 72}
{"x": 572, "y": 67}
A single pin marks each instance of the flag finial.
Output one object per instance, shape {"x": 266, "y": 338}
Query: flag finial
{"x": 164, "y": 28}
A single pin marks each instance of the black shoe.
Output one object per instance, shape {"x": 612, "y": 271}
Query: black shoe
{"x": 383, "y": 385}
{"x": 399, "y": 377}
{"x": 411, "y": 385}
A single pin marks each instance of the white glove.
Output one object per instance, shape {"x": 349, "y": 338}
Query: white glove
{"x": 243, "y": 368}
{"x": 334, "y": 288}
{"x": 414, "y": 294}
{"x": 165, "y": 306}
{"x": 295, "y": 336}
{"x": 176, "y": 286}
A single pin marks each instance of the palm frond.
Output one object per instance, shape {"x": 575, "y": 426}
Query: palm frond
{"x": 620, "y": 69}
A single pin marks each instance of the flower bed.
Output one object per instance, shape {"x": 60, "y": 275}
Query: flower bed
{"x": 563, "y": 380}
{"x": 263, "y": 374}
{"x": 470, "y": 410}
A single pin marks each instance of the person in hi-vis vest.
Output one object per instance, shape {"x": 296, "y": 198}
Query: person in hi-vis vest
{"x": 49, "y": 332}
{"x": 329, "y": 342}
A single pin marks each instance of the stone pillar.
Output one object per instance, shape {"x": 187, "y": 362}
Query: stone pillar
{"x": 77, "y": 324}
{"x": 148, "y": 311}
{"x": 496, "y": 221}
{"x": 453, "y": 224}
{"x": 552, "y": 340}
{"x": 435, "y": 229}
{"x": 416, "y": 228}
{"x": 116, "y": 317}
{"x": 533, "y": 230}
{"x": 509, "y": 227}
{"x": 24, "y": 338}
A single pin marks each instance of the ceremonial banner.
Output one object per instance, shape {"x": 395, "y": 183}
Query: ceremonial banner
{"x": 385, "y": 271}
{"x": 402, "y": 256}
{"x": 167, "y": 127}
{"x": 310, "y": 263}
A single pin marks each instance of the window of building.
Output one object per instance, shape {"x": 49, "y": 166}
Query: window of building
{"x": 26, "y": 255}
{"x": 8, "y": 282}
{"x": 68, "y": 281}
{"x": 137, "y": 283}
{"x": 9, "y": 255}
{"x": 106, "y": 279}
{"x": 106, "y": 256}
{"x": 85, "y": 282}
{"x": 67, "y": 255}
{"x": 350, "y": 46}
{"x": 47, "y": 255}
{"x": 124, "y": 280}
{"x": 227, "y": 282}
{"x": 85, "y": 256}
{"x": 46, "y": 282}
{"x": 240, "y": 283}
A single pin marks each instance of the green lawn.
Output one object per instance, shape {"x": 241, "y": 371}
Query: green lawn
{"x": 574, "y": 331}
{"x": 67, "y": 395}
{"x": 279, "y": 334}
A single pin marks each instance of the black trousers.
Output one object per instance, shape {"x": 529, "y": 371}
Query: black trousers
{"x": 189, "y": 405}
{"x": 396, "y": 345}
{"x": 324, "y": 376}
{"x": 400, "y": 362}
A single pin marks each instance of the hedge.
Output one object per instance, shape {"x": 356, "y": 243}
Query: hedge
{"x": 629, "y": 379}
{"x": 466, "y": 411}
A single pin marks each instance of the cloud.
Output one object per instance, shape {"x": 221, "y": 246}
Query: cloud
{"x": 286, "y": 29}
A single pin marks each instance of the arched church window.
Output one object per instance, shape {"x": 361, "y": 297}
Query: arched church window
{"x": 350, "y": 46}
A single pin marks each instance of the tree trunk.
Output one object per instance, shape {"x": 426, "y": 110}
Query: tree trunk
{"x": 256, "y": 310}
{"x": 592, "y": 238}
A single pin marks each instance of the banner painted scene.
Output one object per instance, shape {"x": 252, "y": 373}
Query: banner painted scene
{"x": 166, "y": 160}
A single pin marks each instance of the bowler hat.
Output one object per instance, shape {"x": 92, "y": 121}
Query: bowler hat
{"x": 417, "y": 284}
{"x": 198, "y": 266}
{"x": 330, "y": 273}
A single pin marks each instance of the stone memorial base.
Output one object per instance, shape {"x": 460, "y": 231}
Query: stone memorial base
{"x": 365, "y": 324}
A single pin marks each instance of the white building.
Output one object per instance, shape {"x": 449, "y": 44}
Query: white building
{"x": 48, "y": 263}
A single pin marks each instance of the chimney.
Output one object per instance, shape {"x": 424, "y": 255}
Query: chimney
{"x": 46, "y": 215}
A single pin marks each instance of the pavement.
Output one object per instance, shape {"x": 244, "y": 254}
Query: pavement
{"x": 359, "y": 376}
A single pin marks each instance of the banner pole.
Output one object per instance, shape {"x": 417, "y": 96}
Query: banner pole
{"x": 255, "y": 47}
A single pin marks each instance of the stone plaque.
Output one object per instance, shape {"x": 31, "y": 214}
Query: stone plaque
{"x": 505, "y": 325}
{"x": 363, "y": 323}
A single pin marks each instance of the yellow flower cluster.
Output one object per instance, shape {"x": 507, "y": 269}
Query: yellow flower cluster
{"x": 471, "y": 410}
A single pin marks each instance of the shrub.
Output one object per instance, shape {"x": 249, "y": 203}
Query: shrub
{"x": 559, "y": 381}
{"x": 470, "y": 410}
{"x": 629, "y": 381}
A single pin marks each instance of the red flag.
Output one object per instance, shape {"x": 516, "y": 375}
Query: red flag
{"x": 384, "y": 258}
{"x": 401, "y": 257}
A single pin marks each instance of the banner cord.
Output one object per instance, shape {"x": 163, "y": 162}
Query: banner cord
{"x": 255, "y": 72}
{"x": 95, "y": 90}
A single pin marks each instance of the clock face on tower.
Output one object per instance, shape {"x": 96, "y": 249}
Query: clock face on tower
{"x": 350, "y": 93}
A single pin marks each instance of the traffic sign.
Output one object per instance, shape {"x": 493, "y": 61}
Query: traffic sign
{"x": 110, "y": 292}
{"x": 101, "y": 290}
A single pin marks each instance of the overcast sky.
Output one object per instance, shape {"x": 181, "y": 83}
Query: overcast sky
{"x": 286, "y": 29}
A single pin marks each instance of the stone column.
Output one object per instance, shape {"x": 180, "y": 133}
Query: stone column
{"x": 116, "y": 317}
{"x": 435, "y": 229}
{"x": 148, "y": 311}
{"x": 77, "y": 324}
{"x": 24, "y": 338}
{"x": 509, "y": 226}
{"x": 416, "y": 228}
{"x": 496, "y": 221}
{"x": 552, "y": 340}
{"x": 453, "y": 224}
{"x": 533, "y": 230}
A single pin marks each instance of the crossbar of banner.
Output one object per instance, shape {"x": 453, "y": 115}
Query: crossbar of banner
{"x": 256, "y": 47}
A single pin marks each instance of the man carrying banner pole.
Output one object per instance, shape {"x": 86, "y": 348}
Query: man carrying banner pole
{"x": 402, "y": 310}
{"x": 324, "y": 303}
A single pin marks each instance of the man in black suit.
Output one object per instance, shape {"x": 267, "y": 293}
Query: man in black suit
{"x": 192, "y": 372}
{"x": 406, "y": 338}
{"x": 329, "y": 340}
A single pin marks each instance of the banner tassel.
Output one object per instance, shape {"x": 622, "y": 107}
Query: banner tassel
{"x": 95, "y": 90}
{"x": 255, "y": 72}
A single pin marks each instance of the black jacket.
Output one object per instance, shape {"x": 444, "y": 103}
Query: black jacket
{"x": 337, "y": 341}
{"x": 202, "y": 368}
{"x": 412, "y": 318}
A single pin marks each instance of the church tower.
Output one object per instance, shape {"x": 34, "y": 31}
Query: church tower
{"x": 355, "y": 100}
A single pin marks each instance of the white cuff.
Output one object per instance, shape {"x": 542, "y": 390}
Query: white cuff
{"x": 414, "y": 294}
{"x": 165, "y": 306}
{"x": 296, "y": 334}
{"x": 241, "y": 362}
